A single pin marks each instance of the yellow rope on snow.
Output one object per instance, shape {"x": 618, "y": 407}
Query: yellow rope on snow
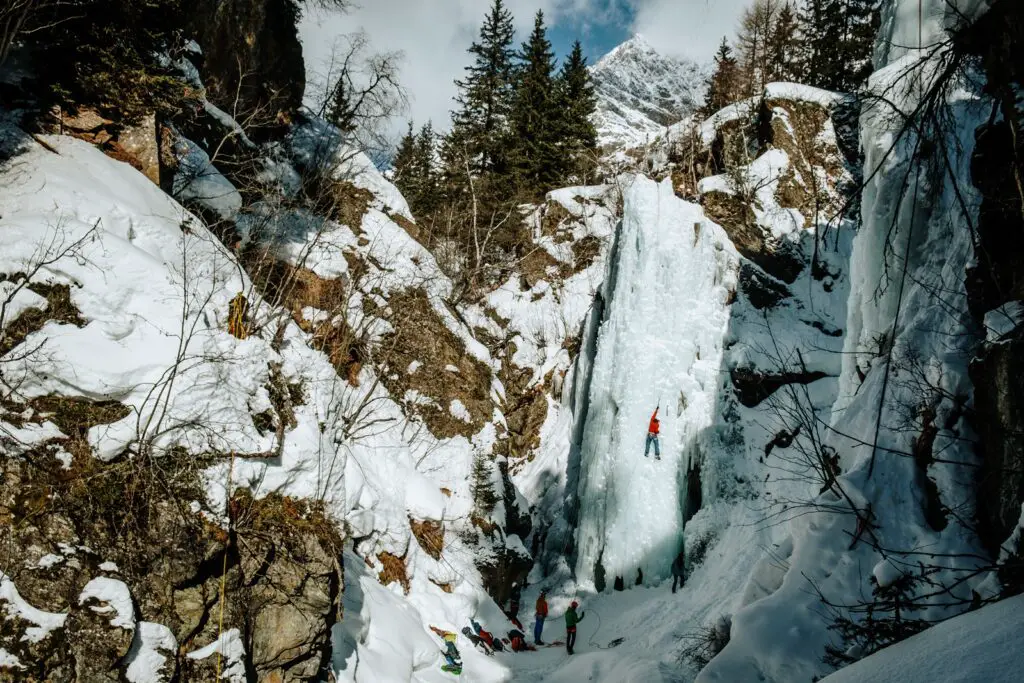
{"x": 237, "y": 310}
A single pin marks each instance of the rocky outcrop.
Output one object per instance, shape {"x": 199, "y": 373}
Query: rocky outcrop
{"x": 120, "y": 559}
{"x": 430, "y": 371}
{"x": 252, "y": 53}
{"x": 997, "y": 277}
{"x": 767, "y": 168}
{"x": 100, "y": 629}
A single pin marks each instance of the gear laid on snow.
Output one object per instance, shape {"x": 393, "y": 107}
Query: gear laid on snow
{"x": 486, "y": 636}
{"x": 452, "y": 657}
{"x": 517, "y": 640}
{"x": 477, "y": 641}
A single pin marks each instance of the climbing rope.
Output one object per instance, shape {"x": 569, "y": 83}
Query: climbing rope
{"x": 224, "y": 567}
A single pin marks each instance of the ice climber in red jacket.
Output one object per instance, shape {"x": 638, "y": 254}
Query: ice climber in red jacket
{"x": 652, "y": 436}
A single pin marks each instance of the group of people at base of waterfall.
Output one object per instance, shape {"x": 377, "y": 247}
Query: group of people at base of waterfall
{"x": 515, "y": 641}
{"x": 540, "y": 615}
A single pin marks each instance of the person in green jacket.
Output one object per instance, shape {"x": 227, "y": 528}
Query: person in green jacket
{"x": 571, "y": 619}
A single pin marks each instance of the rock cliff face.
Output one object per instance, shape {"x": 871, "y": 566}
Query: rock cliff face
{"x": 115, "y": 559}
{"x": 252, "y": 58}
{"x": 995, "y": 282}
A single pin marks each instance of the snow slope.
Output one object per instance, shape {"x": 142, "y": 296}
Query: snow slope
{"x": 980, "y": 647}
{"x": 640, "y": 92}
{"x": 152, "y": 287}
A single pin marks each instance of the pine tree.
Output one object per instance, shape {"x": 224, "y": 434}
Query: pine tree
{"x": 783, "y": 51}
{"x": 415, "y": 170}
{"x": 723, "y": 83}
{"x": 887, "y": 618}
{"x": 404, "y": 160}
{"x": 485, "y": 93}
{"x": 426, "y": 198}
{"x": 837, "y": 38}
{"x": 534, "y": 145}
{"x": 577, "y": 103}
{"x": 757, "y": 24}
{"x": 862, "y": 27}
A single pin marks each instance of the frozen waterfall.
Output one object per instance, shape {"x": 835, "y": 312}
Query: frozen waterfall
{"x": 666, "y": 314}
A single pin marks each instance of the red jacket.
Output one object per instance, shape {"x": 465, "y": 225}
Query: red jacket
{"x": 542, "y": 607}
{"x": 655, "y": 423}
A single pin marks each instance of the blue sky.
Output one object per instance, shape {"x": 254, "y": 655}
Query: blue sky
{"x": 598, "y": 31}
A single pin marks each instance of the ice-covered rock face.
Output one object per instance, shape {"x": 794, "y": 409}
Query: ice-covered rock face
{"x": 639, "y": 92}
{"x": 672, "y": 278}
{"x": 908, "y": 338}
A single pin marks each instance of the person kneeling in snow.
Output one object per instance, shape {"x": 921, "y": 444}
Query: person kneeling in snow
{"x": 653, "y": 430}
{"x": 517, "y": 641}
{"x": 571, "y": 619}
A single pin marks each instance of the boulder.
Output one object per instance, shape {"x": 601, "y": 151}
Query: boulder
{"x": 100, "y": 629}
{"x": 140, "y": 142}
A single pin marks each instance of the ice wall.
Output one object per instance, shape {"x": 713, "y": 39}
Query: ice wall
{"x": 660, "y": 342}
{"x": 908, "y": 341}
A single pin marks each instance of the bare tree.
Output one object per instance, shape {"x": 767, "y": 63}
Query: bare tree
{"x": 360, "y": 92}
{"x": 17, "y": 19}
{"x": 757, "y": 26}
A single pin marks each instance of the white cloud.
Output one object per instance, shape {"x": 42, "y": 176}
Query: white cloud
{"x": 433, "y": 34}
{"x": 691, "y": 28}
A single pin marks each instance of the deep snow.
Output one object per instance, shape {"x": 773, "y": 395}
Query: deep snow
{"x": 980, "y": 647}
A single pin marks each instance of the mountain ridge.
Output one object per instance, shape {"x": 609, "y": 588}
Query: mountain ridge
{"x": 641, "y": 91}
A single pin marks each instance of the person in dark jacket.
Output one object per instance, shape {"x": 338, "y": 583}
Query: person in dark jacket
{"x": 678, "y": 568}
{"x": 571, "y": 619}
{"x": 514, "y": 598}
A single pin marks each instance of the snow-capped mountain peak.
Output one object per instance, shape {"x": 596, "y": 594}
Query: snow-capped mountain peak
{"x": 640, "y": 91}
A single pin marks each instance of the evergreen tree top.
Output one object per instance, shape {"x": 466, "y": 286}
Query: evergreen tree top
{"x": 536, "y": 53}
{"x": 724, "y": 52}
{"x": 576, "y": 60}
{"x": 493, "y": 51}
